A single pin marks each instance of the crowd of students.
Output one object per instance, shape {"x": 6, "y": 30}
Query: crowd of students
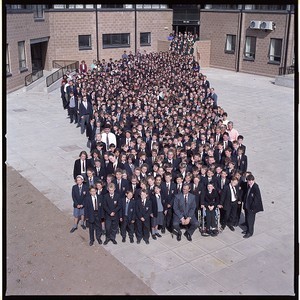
{"x": 161, "y": 150}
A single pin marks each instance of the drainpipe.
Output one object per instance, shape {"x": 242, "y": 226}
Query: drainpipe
{"x": 287, "y": 43}
{"x": 239, "y": 45}
{"x": 97, "y": 39}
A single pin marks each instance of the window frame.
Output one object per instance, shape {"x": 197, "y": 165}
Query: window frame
{"x": 250, "y": 57}
{"x": 21, "y": 67}
{"x": 38, "y": 12}
{"x": 115, "y": 36}
{"x": 8, "y": 70}
{"x": 148, "y": 43}
{"x": 275, "y": 62}
{"x": 233, "y": 38}
{"x": 89, "y": 47}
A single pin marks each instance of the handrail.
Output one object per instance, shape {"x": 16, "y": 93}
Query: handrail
{"x": 288, "y": 70}
{"x": 61, "y": 63}
{"x": 32, "y": 77}
{"x": 59, "y": 73}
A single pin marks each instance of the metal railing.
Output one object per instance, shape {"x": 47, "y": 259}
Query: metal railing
{"x": 72, "y": 66}
{"x": 30, "y": 78}
{"x": 287, "y": 70}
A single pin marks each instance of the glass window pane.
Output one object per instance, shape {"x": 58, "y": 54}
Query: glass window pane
{"x": 89, "y": 6}
{"x": 79, "y": 6}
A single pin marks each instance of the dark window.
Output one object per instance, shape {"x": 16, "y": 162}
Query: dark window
{"x": 22, "y": 56}
{"x": 250, "y": 46}
{"x": 38, "y": 11}
{"x": 230, "y": 43}
{"x": 116, "y": 40}
{"x": 111, "y": 5}
{"x": 145, "y": 38}
{"x": 275, "y": 50}
{"x": 85, "y": 42}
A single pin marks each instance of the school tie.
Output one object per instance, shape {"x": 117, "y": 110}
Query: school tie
{"x": 95, "y": 203}
{"x": 80, "y": 189}
{"x": 107, "y": 141}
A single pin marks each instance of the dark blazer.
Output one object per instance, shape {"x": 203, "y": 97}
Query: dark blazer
{"x": 101, "y": 174}
{"x": 110, "y": 167}
{"x": 243, "y": 163}
{"x": 143, "y": 211}
{"x": 124, "y": 187}
{"x": 252, "y": 200}
{"x": 217, "y": 156}
{"x": 85, "y": 111}
{"x": 131, "y": 215}
{"x": 197, "y": 191}
{"x": 154, "y": 204}
{"x": 89, "y": 208}
{"x": 111, "y": 205}
{"x": 179, "y": 207}
{"x": 90, "y": 132}
{"x": 77, "y": 167}
{"x": 169, "y": 195}
{"x": 218, "y": 184}
{"x": 78, "y": 199}
{"x": 128, "y": 169}
{"x": 225, "y": 199}
{"x": 93, "y": 182}
{"x": 211, "y": 199}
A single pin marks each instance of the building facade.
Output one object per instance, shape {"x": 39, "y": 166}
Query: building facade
{"x": 79, "y": 32}
{"x": 245, "y": 38}
{"x": 255, "y": 39}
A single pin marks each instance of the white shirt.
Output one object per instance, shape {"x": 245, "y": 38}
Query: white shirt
{"x": 111, "y": 138}
{"x": 233, "y": 197}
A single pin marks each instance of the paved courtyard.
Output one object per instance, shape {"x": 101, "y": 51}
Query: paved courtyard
{"x": 42, "y": 146}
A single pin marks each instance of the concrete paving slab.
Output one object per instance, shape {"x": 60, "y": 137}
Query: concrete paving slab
{"x": 189, "y": 251}
{"x": 250, "y": 288}
{"x": 181, "y": 291}
{"x": 168, "y": 260}
{"x": 228, "y": 277}
{"x": 228, "y": 255}
{"x": 208, "y": 264}
{"x": 209, "y": 244}
{"x": 246, "y": 248}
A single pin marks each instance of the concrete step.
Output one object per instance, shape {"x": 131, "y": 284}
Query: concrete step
{"x": 285, "y": 80}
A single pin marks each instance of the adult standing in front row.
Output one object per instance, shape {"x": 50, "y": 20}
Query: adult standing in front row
{"x": 252, "y": 205}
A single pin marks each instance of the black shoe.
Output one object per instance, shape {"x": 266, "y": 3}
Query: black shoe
{"x": 83, "y": 227}
{"x": 244, "y": 232}
{"x": 71, "y": 122}
{"x": 138, "y": 241}
{"x": 231, "y": 227}
{"x": 114, "y": 242}
{"x": 106, "y": 242}
{"x": 179, "y": 237}
{"x": 157, "y": 234}
{"x": 91, "y": 243}
{"x": 154, "y": 236}
{"x": 214, "y": 233}
{"x": 244, "y": 224}
{"x": 147, "y": 242}
{"x": 188, "y": 236}
{"x": 131, "y": 240}
{"x": 73, "y": 229}
{"x": 99, "y": 241}
{"x": 223, "y": 227}
{"x": 123, "y": 240}
{"x": 247, "y": 235}
{"x": 163, "y": 230}
{"x": 77, "y": 126}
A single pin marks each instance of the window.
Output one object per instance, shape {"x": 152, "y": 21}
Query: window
{"x": 145, "y": 38}
{"x": 275, "y": 51}
{"x": 85, "y": 42}
{"x": 22, "y": 56}
{"x": 250, "y": 47}
{"x": 230, "y": 43}
{"x": 38, "y": 11}
{"x": 151, "y": 6}
{"x": 111, "y": 5}
{"x": 116, "y": 40}
{"x": 7, "y": 61}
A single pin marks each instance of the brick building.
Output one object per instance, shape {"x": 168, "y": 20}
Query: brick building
{"x": 37, "y": 35}
{"x": 248, "y": 38}
{"x": 255, "y": 39}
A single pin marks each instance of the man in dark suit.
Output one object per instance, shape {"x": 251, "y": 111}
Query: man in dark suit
{"x": 184, "y": 213}
{"x": 72, "y": 107}
{"x": 229, "y": 203}
{"x": 242, "y": 161}
{"x": 252, "y": 205}
{"x": 79, "y": 192}
{"x": 240, "y": 140}
{"x": 226, "y": 142}
{"x": 99, "y": 170}
{"x": 85, "y": 113}
{"x": 92, "y": 212}
{"x": 90, "y": 132}
{"x": 113, "y": 164}
{"x": 197, "y": 191}
{"x": 127, "y": 216}
{"x": 91, "y": 178}
{"x": 168, "y": 189}
{"x": 143, "y": 214}
{"x": 111, "y": 207}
